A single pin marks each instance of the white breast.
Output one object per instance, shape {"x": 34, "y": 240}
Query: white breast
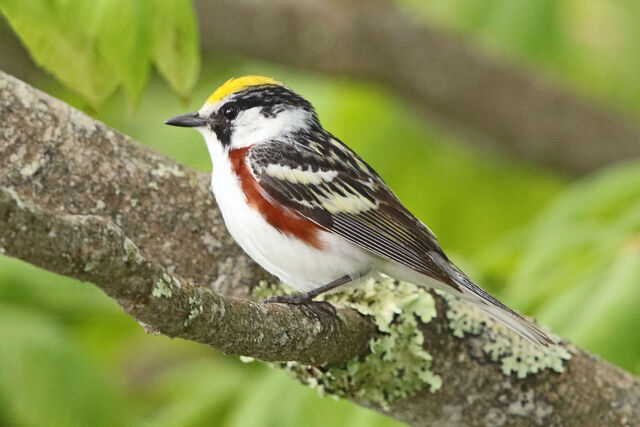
{"x": 296, "y": 263}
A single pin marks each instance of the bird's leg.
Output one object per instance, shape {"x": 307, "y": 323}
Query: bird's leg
{"x": 306, "y": 298}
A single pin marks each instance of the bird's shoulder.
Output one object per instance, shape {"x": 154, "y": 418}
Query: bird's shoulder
{"x": 313, "y": 151}
{"x": 318, "y": 171}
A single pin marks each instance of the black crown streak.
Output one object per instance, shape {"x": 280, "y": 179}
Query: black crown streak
{"x": 273, "y": 99}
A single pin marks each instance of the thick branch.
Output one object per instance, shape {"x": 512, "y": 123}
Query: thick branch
{"x": 71, "y": 189}
{"x": 465, "y": 90}
{"x": 91, "y": 248}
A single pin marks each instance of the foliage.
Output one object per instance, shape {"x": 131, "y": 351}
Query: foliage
{"x": 580, "y": 266}
{"x": 94, "y": 47}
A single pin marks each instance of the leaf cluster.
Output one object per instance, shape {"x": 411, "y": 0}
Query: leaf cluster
{"x": 96, "y": 47}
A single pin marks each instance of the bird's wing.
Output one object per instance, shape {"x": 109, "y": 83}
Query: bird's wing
{"x": 331, "y": 186}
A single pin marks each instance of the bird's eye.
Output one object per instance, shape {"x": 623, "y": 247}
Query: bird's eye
{"x": 230, "y": 111}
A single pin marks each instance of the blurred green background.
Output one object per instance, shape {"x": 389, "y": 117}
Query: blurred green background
{"x": 566, "y": 250}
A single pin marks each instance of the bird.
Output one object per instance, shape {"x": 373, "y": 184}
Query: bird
{"x": 309, "y": 210}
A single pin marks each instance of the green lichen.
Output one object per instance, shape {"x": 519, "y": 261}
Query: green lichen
{"x": 161, "y": 170}
{"x": 514, "y": 353}
{"x": 398, "y": 366}
{"x": 196, "y": 309}
{"x": 89, "y": 266}
{"x": 131, "y": 251}
{"x": 31, "y": 168}
{"x": 162, "y": 287}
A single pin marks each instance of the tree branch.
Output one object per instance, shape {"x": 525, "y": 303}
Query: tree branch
{"x": 85, "y": 201}
{"x": 464, "y": 90}
{"x": 90, "y": 248}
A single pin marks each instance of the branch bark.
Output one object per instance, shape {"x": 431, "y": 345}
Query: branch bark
{"x": 91, "y": 248}
{"x": 467, "y": 92}
{"x": 82, "y": 200}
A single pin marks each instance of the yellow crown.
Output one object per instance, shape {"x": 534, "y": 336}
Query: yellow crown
{"x": 234, "y": 85}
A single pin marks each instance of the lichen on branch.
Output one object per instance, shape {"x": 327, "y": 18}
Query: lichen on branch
{"x": 398, "y": 365}
{"x": 514, "y": 353}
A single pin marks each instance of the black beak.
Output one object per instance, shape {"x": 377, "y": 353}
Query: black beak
{"x": 190, "y": 120}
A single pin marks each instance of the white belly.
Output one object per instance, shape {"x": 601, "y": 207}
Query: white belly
{"x": 296, "y": 263}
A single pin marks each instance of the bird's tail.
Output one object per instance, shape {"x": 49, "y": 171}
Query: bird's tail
{"x": 497, "y": 310}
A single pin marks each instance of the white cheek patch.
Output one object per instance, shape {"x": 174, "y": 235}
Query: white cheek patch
{"x": 252, "y": 127}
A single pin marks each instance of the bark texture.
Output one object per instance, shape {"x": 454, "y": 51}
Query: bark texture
{"x": 83, "y": 200}
{"x": 466, "y": 91}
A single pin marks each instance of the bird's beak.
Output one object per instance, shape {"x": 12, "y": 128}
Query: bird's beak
{"x": 191, "y": 120}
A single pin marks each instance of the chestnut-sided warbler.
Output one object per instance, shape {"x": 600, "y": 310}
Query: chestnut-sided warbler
{"x": 309, "y": 210}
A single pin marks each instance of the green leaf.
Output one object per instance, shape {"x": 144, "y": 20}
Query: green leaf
{"x": 95, "y": 47}
{"x": 56, "y": 33}
{"x": 124, "y": 38}
{"x": 175, "y": 44}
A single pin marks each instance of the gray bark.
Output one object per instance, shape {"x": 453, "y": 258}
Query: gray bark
{"x": 83, "y": 200}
